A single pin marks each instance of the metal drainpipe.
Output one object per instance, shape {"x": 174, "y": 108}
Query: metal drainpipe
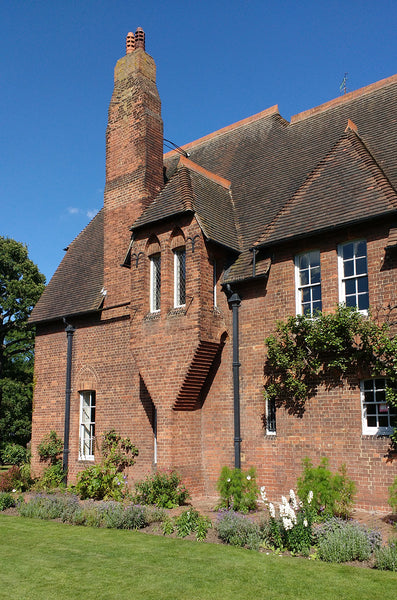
{"x": 65, "y": 461}
{"x": 235, "y": 301}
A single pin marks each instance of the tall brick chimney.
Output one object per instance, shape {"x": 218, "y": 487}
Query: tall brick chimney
{"x": 134, "y": 156}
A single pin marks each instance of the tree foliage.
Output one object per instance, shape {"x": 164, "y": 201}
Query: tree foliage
{"x": 21, "y": 285}
{"x": 305, "y": 352}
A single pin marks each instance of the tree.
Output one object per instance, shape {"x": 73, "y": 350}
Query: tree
{"x": 21, "y": 285}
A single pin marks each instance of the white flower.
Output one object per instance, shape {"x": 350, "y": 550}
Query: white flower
{"x": 248, "y": 477}
{"x": 263, "y": 494}
{"x": 284, "y": 500}
{"x": 293, "y": 499}
{"x": 288, "y": 524}
{"x": 228, "y": 480}
{"x": 14, "y": 490}
{"x": 310, "y": 497}
{"x": 305, "y": 523}
{"x": 272, "y": 510}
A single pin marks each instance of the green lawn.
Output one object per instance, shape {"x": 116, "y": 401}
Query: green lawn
{"x": 44, "y": 560}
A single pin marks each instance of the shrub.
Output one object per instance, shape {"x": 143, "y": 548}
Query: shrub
{"x": 238, "y": 490}
{"x": 191, "y": 521}
{"x": 117, "y": 516}
{"x": 50, "y": 448}
{"x": 42, "y": 506}
{"x": 333, "y": 524}
{"x": 105, "y": 480}
{"x": 53, "y": 477}
{"x": 164, "y": 489}
{"x": 333, "y": 494}
{"x": 11, "y": 479}
{"x": 7, "y": 500}
{"x": 14, "y": 454}
{"x": 342, "y": 541}
{"x": 292, "y": 529}
{"x": 386, "y": 557}
{"x": 237, "y": 529}
{"x": 393, "y": 495}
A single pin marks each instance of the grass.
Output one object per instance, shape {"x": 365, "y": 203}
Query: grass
{"x": 45, "y": 560}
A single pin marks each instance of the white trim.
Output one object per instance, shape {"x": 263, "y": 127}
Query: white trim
{"x": 155, "y": 265}
{"x": 341, "y": 275}
{"x": 87, "y": 424}
{"x": 374, "y": 430}
{"x": 178, "y": 252}
{"x": 270, "y": 431}
{"x": 310, "y": 285}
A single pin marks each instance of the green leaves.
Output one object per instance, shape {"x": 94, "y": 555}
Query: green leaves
{"x": 304, "y": 353}
{"x": 21, "y": 285}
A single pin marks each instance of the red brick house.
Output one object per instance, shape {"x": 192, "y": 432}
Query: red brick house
{"x": 168, "y": 294}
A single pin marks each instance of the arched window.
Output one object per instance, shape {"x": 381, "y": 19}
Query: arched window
{"x": 87, "y": 425}
{"x": 153, "y": 251}
{"x": 179, "y": 251}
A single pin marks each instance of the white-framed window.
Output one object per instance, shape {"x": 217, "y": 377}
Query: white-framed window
{"x": 379, "y": 418}
{"x": 214, "y": 280}
{"x": 308, "y": 283}
{"x": 353, "y": 275}
{"x": 155, "y": 282}
{"x": 270, "y": 416}
{"x": 87, "y": 425}
{"x": 179, "y": 277}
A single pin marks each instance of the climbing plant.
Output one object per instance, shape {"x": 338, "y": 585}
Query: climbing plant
{"x": 305, "y": 352}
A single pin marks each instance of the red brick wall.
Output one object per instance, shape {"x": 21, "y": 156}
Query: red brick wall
{"x": 137, "y": 361}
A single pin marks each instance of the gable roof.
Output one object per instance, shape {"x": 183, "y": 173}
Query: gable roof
{"x": 194, "y": 189}
{"x": 268, "y": 159}
{"x": 77, "y": 283}
{"x": 260, "y": 180}
{"x": 347, "y": 186}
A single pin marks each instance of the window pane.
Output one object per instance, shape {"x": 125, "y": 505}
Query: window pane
{"x": 347, "y": 251}
{"x": 351, "y": 301}
{"x": 304, "y": 261}
{"x": 361, "y": 248}
{"x": 361, "y": 266}
{"x": 383, "y": 421}
{"x": 350, "y": 287}
{"x": 315, "y": 275}
{"x": 304, "y": 277}
{"x": 306, "y": 295}
{"x": 362, "y": 284}
{"x": 371, "y": 409}
{"x": 371, "y": 421}
{"x": 317, "y": 307}
{"x": 349, "y": 268}
{"x": 363, "y": 302}
{"x": 316, "y": 292}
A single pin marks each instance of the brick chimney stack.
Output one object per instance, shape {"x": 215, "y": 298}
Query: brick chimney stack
{"x": 134, "y": 154}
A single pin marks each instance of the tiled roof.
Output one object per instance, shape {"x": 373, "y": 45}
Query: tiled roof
{"x": 208, "y": 196}
{"x": 346, "y": 186}
{"x": 77, "y": 283}
{"x": 268, "y": 159}
{"x": 285, "y": 180}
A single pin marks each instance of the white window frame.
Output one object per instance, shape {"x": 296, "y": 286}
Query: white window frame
{"x": 354, "y": 277}
{"x": 309, "y": 286}
{"x": 379, "y": 385}
{"x": 155, "y": 282}
{"x": 87, "y": 425}
{"x": 214, "y": 280}
{"x": 179, "y": 277}
{"x": 273, "y": 430}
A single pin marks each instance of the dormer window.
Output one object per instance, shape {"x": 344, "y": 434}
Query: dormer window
{"x": 179, "y": 277}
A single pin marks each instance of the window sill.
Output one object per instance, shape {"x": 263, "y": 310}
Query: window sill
{"x": 152, "y": 316}
{"x": 86, "y": 458}
{"x": 177, "y": 310}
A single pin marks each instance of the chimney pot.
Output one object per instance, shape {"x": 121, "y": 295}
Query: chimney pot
{"x": 130, "y": 43}
{"x": 140, "y": 38}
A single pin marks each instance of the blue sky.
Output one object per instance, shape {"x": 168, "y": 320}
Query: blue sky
{"x": 217, "y": 62}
